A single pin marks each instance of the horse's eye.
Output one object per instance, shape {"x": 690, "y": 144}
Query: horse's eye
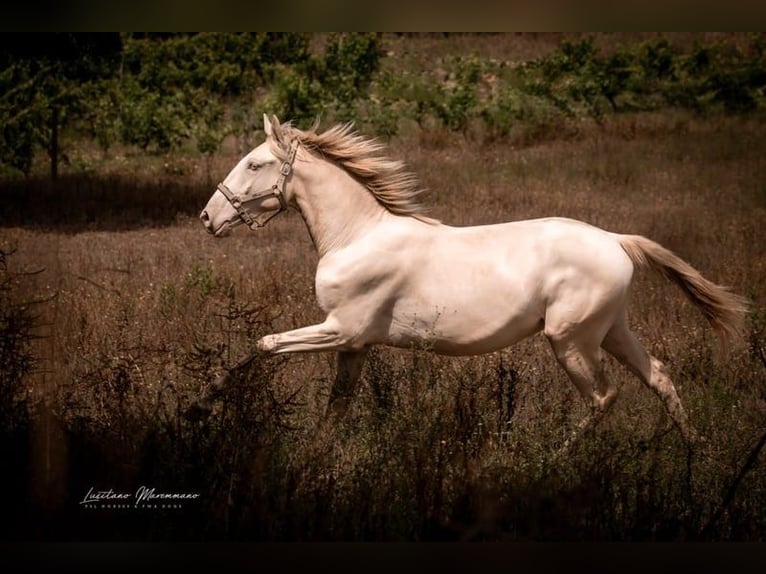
{"x": 252, "y": 166}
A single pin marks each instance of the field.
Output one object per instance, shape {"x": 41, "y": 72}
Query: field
{"x": 140, "y": 308}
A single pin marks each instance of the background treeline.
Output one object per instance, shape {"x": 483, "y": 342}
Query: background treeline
{"x": 163, "y": 92}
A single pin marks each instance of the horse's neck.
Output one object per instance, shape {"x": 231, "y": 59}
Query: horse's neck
{"x": 335, "y": 207}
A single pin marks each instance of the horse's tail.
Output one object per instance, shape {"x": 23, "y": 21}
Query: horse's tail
{"x": 724, "y": 310}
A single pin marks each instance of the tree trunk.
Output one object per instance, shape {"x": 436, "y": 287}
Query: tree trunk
{"x": 53, "y": 148}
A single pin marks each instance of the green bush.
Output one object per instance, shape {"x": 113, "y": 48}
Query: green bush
{"x": 165, "y": 91}
{"x": 345, "y": 72}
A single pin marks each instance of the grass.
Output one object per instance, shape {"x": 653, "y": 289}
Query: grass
{"x": 145, "y": 307}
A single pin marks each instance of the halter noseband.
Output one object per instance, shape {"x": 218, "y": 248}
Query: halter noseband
{"x": 277, "y": 190}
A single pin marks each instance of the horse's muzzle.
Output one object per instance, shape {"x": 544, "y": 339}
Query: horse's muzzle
{"x": 206, "y": 221}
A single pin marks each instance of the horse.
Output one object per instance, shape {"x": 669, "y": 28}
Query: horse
{"x": 388, "y": 274}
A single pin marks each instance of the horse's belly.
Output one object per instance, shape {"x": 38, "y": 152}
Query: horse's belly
{"x": 463, "y": 331}
{"x": 476, "y": 340}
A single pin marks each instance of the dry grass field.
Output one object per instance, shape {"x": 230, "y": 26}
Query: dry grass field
{"x": 138, "y": 317}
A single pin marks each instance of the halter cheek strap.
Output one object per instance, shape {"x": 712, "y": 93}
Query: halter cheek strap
{"x": 277, "y": 190}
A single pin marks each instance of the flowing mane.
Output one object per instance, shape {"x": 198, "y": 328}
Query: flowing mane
{"x": 387, "y": 179}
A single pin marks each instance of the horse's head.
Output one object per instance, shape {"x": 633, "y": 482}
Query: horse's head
{"x": 254, "y": 191}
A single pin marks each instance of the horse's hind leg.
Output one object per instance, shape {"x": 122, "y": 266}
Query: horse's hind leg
{"x": 581, "y": 358}
{"x": 623, "y": 344}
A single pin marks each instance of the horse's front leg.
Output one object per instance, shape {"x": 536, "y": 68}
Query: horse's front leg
{"x": 326, "y": 336}
{"x": 203, "y": 406}
{"x": 348, "y": 373}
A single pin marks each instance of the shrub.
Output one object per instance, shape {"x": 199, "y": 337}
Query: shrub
{"x": 17, "y": 330}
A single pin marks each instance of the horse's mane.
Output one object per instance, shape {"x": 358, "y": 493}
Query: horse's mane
{"x": 387, "y": 179}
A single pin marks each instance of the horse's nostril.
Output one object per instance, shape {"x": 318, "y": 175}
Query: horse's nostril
{"x": 206, "y": 221}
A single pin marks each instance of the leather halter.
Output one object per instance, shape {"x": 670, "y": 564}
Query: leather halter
{"x": 277, "y": 190}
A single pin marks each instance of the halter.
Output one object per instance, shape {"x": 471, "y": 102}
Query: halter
{"x": 277, "y": 190}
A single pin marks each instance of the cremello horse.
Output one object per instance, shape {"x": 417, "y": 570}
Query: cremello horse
{"x": 389, "y": 275}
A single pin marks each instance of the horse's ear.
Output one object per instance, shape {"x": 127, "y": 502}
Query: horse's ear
{"x": 272, "y": 127}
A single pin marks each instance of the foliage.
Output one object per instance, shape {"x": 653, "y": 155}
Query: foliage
{"x": 330, "y": 84}
{"x": 349, "y": 64}
{"x": 18, "y": 322}
{"x": 47, "y": 82}
{"x": 176, "y": 89}
{"x": 161, "y": 92}
{"x": 720, "y": 75}
{"x": 578, "y": 80}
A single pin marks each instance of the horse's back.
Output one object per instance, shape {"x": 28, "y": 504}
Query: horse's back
{"x": 542, "y": 242}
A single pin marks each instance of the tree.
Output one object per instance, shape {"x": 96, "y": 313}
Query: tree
{"x": 46, "y": 80}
